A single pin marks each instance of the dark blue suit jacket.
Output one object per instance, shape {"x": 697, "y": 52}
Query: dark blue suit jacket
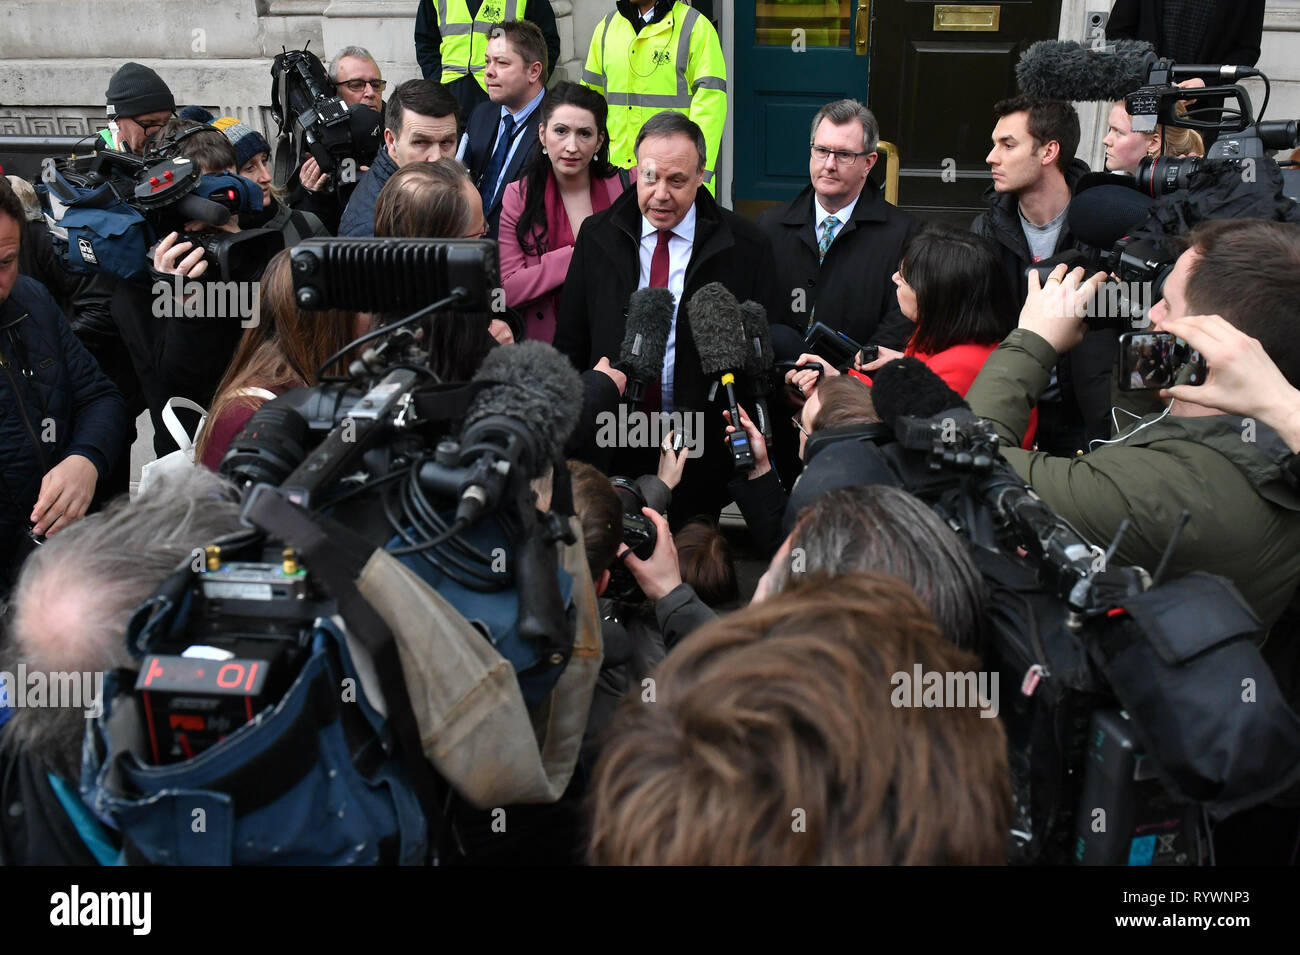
{"x": 482, "y": 132}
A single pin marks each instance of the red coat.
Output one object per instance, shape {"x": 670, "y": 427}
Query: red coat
{"x": 959, "y": 366}
{"x": 532, "y": 283}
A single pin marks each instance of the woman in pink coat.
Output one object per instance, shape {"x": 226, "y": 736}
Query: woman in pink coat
{"x": 569, "y": 179}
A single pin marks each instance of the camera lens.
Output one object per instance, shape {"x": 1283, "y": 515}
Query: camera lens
{"x": 1159, "y": 176}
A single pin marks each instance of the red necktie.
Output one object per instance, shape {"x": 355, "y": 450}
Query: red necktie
{"x": 658, "y": 279}
{"x": 659, "y": 261}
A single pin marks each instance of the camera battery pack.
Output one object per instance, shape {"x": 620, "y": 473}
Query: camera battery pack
{"x": 1125, "y": 815}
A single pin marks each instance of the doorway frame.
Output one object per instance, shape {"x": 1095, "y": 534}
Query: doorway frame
{"x": 1072, "y": 26}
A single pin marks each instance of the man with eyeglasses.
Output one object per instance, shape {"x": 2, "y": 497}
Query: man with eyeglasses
{"x": 139, "y": 104}
{"x": 357, "y": 78}
{"x": 359, "y": 83}
{"x": 838, "y": 242}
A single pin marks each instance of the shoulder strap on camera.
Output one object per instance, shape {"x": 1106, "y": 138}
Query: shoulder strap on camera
{"x": 336, "y": 556}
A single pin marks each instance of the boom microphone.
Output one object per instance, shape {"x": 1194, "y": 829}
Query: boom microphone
{"x": 645, "y": 339}
{"x": 537, "y": 388}
{"x": 513, "y": 429}
{"x": 760, "y": 362}
{"x": 719, "y": 332}
{"x": 1066, "y": 70}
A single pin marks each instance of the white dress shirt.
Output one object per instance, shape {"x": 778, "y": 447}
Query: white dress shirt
{"x": 844, "y": 215}
{"x": 679, "y": 254}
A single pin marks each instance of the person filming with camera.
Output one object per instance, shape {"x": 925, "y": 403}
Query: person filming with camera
{"x": 1223, "y": 470}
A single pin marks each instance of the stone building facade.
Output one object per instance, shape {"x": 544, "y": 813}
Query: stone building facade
{"x": 56, "y": 56}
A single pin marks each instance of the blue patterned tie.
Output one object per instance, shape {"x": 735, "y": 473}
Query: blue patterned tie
{"x": 498, "y": 162}
{"x": 828, "y": 236}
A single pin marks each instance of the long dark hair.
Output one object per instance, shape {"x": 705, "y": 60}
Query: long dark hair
{"x": 540, "y": 170}
{"x": 282, "y": 349}
{"x": 963, "y": 294}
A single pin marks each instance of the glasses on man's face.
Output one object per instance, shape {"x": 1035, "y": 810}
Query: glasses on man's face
{"x": 151, "y": 127}
{"x": 357, "y": 86}
{"x": 842, "y": 156}
{"x": 799, "y": 424}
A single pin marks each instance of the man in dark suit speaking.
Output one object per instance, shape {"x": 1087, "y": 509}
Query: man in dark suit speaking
{"x": 670, "y": 233}
{"x": 502, "y": 133}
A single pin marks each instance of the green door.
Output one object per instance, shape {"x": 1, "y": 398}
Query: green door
{"x": 792, "y": 57}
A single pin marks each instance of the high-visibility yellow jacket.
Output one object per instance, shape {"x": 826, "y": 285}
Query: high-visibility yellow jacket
{"x": 675, "y": 63}
{"x": 462, "y": 50}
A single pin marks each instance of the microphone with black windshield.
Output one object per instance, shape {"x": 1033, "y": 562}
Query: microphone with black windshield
{"x": 719, "y": 332}
{"x": 513, "y": 430}
{"x": 1066, "y": 70}
{"x": 760, "y": 364}
{"x": 645, "y": 339}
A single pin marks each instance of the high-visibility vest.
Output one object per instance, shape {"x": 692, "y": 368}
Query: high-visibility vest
{"x": 674, "y": 64}
{"x": 463, "y": 53}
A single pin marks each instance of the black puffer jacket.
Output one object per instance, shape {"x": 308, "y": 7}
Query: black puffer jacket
{"x": 54, "y": 401}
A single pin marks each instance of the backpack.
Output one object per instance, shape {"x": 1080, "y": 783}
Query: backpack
{"x": 93, "y": 230}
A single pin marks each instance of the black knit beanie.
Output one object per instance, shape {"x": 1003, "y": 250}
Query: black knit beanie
{"x": 135, "y": 90}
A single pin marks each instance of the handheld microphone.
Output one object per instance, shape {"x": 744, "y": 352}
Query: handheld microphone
{"x": 760, "y": 362}
{"x": 645, "y": 339}
{"x": 719, "y": 333}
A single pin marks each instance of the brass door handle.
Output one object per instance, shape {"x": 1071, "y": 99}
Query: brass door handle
{"x": 862, "y": 26}
{"x": 893, "y": 160}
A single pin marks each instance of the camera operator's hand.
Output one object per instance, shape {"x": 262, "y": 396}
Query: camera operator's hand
{"x": 1195, "y": 83}
{"x": 671, "y": 463}
{"x": 1054, "y": 310}
{"x": 173, "y": 257}
{"x": 660, "y": 575}
{"x": 501, "y": 332}
{"x": 620, "y": 380}
{"x": 1241, "y": 378}
{"x": 886, "y": 355}
{"x": 65, "y": 494}
{"x": 311, "y": 177}
{"x": 762, "y": 464}
{"x": 806, "y": 381}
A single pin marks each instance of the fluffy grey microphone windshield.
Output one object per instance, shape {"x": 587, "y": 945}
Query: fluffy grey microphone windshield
{"x": 1064, "y": 69}
{"x": 762, "y": 360}
{"x": 539, "y": 388}
{"x": 645, "y": 334}
{"x": 718, "y": 329}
